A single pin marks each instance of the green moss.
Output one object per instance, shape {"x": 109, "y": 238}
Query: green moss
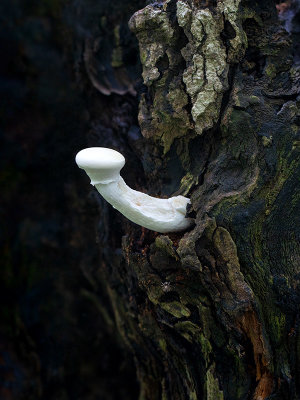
{"x": 267, "y": 141}
{"x": 254, "y": 100}
{"x": 187, "y": 182}
{"x": 162, "y": 344}
{"x": 143, "y": 55}
{"x": 277, "y": 323}
{"x": 154, "y": 292}
{"x": 270, "y": 71}
{"x": 165, "y": 244}
{"x": 117, "y": 57}
{"x": 284, "y": 170}
{"x": 176, "y": 309}
{"x": 206, "y": 347}
{"x": 189, "y": 331}
{"x": 213, "y": 391}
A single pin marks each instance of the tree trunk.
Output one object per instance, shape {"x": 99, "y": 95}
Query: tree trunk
{"x": 212, "y": 313}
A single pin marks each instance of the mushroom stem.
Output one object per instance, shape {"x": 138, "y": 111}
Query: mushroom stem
{"x": 161, "y": 215}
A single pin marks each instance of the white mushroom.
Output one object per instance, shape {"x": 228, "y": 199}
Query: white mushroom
{"x": 161, "y": 215}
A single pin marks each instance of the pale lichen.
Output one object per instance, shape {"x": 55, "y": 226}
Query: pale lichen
{"x": 186, "y": 63}
{"x": 162, "y": 114}
{"x": 154, "y": 32}
{"x": 207, "y": 58}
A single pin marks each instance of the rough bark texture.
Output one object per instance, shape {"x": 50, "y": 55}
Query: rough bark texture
{"x": 212, "y": 313}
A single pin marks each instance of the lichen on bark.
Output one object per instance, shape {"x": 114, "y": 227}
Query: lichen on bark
{"x": 219, "y": 96}
{"x": 186, "y": 64}
{"x": 210, "y": 313}
{"x": 162, "y": 112}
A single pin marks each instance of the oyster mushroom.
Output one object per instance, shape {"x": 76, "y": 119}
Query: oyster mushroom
{"x": 103, "y": 166}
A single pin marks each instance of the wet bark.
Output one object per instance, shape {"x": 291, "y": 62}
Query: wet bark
{"x": 212, "y": 112}
{"x": 213, "y": 313}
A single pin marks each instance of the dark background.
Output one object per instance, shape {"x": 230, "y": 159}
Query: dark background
{"x": 60, "y": 68}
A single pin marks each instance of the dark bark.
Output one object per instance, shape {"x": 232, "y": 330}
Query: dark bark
{"x": 212, "y": 313}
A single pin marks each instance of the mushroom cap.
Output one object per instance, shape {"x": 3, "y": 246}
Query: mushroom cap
{"x": 103, "y": 165}
{"x": 100, "y": 158}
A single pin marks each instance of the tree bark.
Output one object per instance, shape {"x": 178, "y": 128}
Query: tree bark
{"x": 213, "y": 313}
